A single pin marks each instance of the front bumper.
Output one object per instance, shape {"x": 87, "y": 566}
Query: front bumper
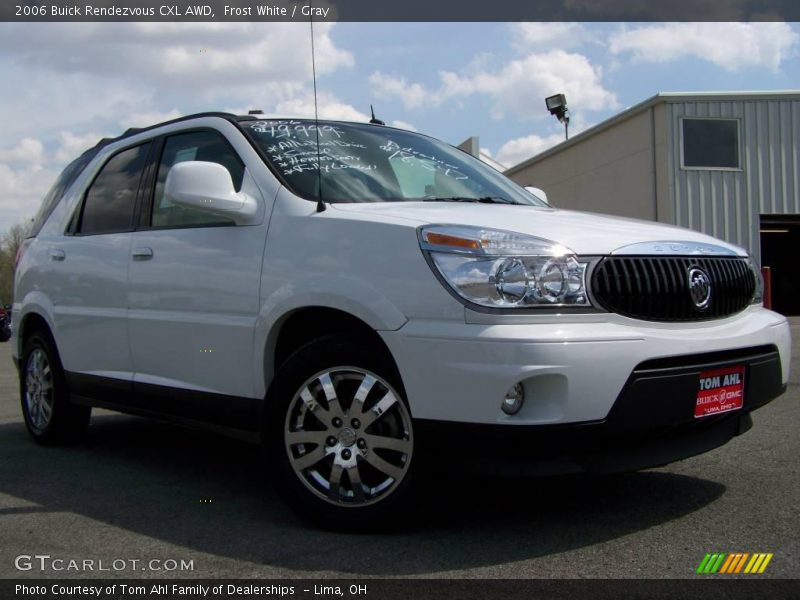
{"x": 572, "y": 367}
{"x": 651, "y": 423}
{"x": 599, "y": 396}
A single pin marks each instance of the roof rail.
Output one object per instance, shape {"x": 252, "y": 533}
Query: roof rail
{"x": 131, "y": 131}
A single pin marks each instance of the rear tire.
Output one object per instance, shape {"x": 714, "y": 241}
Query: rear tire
{"x": 50, "y": 417}
{"x": 339, "y": 437}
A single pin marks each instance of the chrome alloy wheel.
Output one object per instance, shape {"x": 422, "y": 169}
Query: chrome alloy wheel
{"x": 39, "y": 389}
{"x": 348, "y": 436}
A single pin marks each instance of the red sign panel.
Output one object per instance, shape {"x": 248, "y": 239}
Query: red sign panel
{"x": 720, "y": 391}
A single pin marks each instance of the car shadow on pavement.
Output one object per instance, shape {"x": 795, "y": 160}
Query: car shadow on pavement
{"x": 211, "y": 494}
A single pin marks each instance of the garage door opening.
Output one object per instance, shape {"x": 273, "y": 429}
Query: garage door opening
{"x": 780, "y": 238}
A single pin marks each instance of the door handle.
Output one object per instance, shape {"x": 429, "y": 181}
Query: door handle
{"x": 57, "y": 254}
{"x": 142, "y": 253}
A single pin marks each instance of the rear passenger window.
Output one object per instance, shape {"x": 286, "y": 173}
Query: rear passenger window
{"x": 207, "y": 146}
{"x": 62, "y": 184}
{"x": 111, "y": 200}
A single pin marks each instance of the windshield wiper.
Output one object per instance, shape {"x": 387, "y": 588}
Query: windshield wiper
{"x": 481, "y": 200}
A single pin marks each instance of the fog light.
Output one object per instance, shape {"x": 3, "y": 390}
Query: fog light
{"x": 513, "y": 400}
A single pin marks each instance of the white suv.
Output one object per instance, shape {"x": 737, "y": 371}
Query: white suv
{"x": 362, "y": 300}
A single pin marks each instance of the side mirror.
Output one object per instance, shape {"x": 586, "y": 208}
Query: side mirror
{"x": 208, "y": 187}
{"x": 539, "y": 193}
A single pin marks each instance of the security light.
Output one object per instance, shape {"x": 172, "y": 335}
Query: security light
{"x": 557, "y": 105}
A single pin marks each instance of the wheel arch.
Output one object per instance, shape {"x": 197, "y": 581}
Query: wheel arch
{"x": 302, "y": 325}
{"x": 29, "y": 323}
{"x": 33, "y": 310}
{"x": 323, "y": 295}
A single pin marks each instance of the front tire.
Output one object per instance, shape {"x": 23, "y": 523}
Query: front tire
{"x": 339, "y": 434}
{"x": 50, "y": 417}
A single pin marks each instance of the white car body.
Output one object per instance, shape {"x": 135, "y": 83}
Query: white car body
{"x": 198, "y": 310}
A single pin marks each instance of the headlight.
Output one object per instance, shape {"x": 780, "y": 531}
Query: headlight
{"x": 501, "y": 269}
{"x": 758, "y": 297}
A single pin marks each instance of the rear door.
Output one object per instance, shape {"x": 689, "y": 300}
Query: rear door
{"x": 87, "y": 276}
{"x": 193, "y": 293}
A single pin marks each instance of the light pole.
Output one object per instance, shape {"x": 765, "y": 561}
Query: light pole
{"x": 557, "y": 105}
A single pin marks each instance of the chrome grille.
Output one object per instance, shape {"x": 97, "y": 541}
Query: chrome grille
{"x": 656, "y": 288}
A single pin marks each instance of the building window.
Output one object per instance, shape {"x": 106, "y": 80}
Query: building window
{"x": 710, "y": 143}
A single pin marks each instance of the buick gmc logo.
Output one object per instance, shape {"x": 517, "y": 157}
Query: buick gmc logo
{"x": 699, "y": 287}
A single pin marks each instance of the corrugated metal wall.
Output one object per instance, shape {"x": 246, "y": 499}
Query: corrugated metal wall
{"x": 727, "y": 204}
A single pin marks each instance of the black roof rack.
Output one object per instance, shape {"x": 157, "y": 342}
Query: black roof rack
{"x": 131, "y": 131}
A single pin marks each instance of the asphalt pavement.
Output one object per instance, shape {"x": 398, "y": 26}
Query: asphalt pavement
{"x": 140, "y": 490}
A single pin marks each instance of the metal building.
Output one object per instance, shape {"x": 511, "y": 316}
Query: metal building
{"x": 725, "y": 163}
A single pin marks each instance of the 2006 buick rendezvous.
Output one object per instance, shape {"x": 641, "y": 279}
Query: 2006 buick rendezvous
{"x": 363, "y": 299}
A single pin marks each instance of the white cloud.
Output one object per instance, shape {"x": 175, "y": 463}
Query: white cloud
{"x": 413, "y": 95}
{"x": 71, "y": 146}
{"x": 23, "y": 180}
{"x": 732, "y": 46}
{"x": 208, "y": 56}
{"x": 111, "y": 76}
{"x": 40, "y": 103}
{"x": 519, "y": 149}
{"x": 561, "y": 35}
{"x": 329, "y": 107}
{"x": 517, "y": 89}
{"x": 402, "y": 125}
{"x": 27, "y": 151}
{"x": 522, "y": 148}
{"x": 21, "y": 191}
{"x": 145, "y": 119}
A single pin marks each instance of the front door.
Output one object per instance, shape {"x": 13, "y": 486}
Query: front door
{"x": 194, "y": 296}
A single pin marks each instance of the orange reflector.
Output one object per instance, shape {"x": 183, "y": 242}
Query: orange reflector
{"x": 442, "y": 239}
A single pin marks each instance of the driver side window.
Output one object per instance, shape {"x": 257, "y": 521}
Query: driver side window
{"x": 207, "y": 146}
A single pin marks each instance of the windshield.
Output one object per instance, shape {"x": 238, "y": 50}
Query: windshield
{"x": 369, "y": 163}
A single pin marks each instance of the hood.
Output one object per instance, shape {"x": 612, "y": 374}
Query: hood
{"x": 583, "y": 233}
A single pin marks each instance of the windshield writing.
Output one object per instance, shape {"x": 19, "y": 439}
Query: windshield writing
{"x": 367, "y": 163}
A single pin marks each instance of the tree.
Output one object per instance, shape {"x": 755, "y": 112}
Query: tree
{"x": 10, "y": 244}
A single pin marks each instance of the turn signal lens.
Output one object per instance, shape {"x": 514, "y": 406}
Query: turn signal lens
{"x": 442, "y": 239}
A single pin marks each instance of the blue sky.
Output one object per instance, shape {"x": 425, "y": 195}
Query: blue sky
{"x": 67, "y": 84}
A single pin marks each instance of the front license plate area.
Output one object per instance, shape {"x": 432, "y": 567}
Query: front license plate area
{"x": 720, "y": 391}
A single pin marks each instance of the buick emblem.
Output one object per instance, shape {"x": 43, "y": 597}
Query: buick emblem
{"x": 699, "y": 287}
